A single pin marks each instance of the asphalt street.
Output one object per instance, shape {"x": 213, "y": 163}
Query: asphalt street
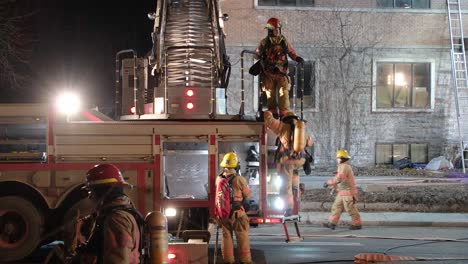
{"x": 322, "y": 245}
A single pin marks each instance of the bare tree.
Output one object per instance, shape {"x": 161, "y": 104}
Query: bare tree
{"x": 15, "y": 45}
{"x": 345, "y": 67}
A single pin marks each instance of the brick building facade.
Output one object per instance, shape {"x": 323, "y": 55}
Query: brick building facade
{"x": 378, "y": 79}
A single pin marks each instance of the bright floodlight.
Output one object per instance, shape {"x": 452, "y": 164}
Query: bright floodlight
{"x": 170, "y": 211}
{"x": 279, "y": 203}
{"x": 68, "y": 103}
{"x": 278, "y": 182}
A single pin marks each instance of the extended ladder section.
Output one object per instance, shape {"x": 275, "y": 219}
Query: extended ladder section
{"x": 189, "y": 59}
{"x": 459, "y": 71}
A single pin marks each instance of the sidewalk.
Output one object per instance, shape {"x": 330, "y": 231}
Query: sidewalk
{"x": 393, "y": 219}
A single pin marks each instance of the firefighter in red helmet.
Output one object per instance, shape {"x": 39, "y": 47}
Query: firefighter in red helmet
{"x": 115, "y": 236}
{"x": 273, "y": 53}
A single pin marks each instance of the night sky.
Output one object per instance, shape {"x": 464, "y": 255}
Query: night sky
{"x": 74, "y": 46}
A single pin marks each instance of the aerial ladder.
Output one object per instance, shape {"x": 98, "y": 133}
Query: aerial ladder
{"x": 459, "y": 72}
{"x": 188, "y": 58}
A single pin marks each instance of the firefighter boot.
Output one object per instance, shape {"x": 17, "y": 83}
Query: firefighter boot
{"x": 329, "y": 225}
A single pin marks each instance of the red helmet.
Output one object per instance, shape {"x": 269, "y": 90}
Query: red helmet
{"x": 273, "y": 23}
{"x": 105, "y": 174}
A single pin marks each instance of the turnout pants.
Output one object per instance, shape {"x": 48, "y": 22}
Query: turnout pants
{"x": 239, "y": 225}
{"x": 347, "y": 203}
{"x": 272, "y": 85}
{"x": 290, "y": 178}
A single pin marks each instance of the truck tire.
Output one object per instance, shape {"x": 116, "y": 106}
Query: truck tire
{"x": 21, "y": 227}
{"x": 85, "y": 208}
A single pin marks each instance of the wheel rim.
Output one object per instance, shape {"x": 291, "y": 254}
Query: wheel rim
{"x": 13, "y": 229}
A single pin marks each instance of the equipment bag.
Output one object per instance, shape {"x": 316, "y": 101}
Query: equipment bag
{"x": 224, "y": 196}
{"x": 256, "y": 69}
{"x": 224, "y": 202}
{"x": 308, "y": 163}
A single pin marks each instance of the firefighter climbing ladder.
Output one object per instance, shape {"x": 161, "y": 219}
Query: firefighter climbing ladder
{"x": 459, "y": 71}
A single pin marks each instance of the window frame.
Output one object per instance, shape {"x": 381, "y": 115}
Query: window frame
{"x": 314, "y": 87}
{"x": 402, "y": 109}
{"x": 392, "y": 144}
{"x": 397, "y": 7}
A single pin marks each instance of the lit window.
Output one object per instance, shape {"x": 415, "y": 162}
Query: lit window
{"x": 403, "y": 85}
{"x": 391, "y": 153}
{"x": 286, "y": 2}
{"x": 404, "y": 3}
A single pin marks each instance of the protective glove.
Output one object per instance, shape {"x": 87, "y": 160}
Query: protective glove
{"x": 325, "y": 185}
{"x": 299, "y": 59}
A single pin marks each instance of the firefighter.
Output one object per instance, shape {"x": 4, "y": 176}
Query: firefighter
{"x": 238, "y": 221}
{"x": 272, "y": 52}
{"x": 115, "y": 235}
{"x": 347, "y": 196}
{"x": 287, "y": 160}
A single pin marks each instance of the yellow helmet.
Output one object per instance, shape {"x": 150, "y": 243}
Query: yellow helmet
{"x": 229, "y": 160}
{"x": 342, "y": 153}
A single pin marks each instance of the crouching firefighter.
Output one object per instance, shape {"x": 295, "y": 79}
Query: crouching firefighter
{"x": 117, "y": 227}
{"x": 290, "y": 155}
{"x": 231, "y": 190}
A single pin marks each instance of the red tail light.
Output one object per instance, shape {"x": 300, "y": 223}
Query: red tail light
{"x": 189, "y": 93}
{"x": 133, "y": 110}
{"x": 189, "y": 106}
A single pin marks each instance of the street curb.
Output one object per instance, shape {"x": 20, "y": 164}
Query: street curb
{"x": 394, "y": 223}
{"x": 316, "y": 218}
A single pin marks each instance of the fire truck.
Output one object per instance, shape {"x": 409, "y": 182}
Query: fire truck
{"x": 168, "y": 134}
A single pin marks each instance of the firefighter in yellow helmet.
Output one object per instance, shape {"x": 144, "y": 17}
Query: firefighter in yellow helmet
{"x": 273, "y": 53}
{"x": 288, "y": 160}
{"x": 237, "y": 221}
{"x": 347, "y": 195}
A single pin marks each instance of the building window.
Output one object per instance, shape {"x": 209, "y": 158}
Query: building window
{"x": 404, "y": 3}
{"x": 296, "y": 84}
{"x": 391, "y": 153}
{"x": 403, "y": 85}
{"x": 286, "y": 2}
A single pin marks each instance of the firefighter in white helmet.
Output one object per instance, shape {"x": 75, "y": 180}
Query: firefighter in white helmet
{"x": 288, "y": 159}
{"x": 347, "y": 195}
{"x": 236, "y": 220}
